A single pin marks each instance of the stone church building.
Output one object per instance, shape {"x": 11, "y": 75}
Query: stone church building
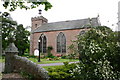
{"x": 59, "y": 35}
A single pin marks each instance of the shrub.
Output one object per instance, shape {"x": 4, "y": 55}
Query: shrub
{"x": 50, "y": 55}
{"x": 27, "y": 75}
{"x": 28, "y": 56}
{"x": 54, "y": 75}
{"x": 32, "y": 56}
{"x": 56, "y": 58}
{"x": 66, "y": 63}
{"x": 25, "y": 55}
{"x": 59, "y": 76}
{"x": 73, "y": 51}
{"x": 99, "y": 55}
{"x": 62, "y": 72}
{"x": 63, "y": 57}
{"x": 50, "y": 48}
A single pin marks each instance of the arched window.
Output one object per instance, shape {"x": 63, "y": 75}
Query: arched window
{"x": 43, "y": 44}
{"x": 61, "y": 43}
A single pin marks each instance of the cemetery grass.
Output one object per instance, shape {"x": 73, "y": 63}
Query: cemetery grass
{"x": 2, "y": 59}
{"x": 45, "y": 61}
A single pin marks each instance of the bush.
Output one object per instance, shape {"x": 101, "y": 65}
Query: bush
{"x": 62, "y": 72}
{"x": 59, "y": 76}
{"x": 63, "y": 57}
{"x": 50, "y": 55}
{"x": 28, "y": 56}
{"x": 50, "y": 48}
{"x": 27, "y": 75}
{"x": 54, "y": 75}
{"x": 71, "y": 56}
{"x": 56, "y": 58}
{"x": 32, "y": 56}
{"x": 99, "y": 50}
{"x": 66, "y": 63}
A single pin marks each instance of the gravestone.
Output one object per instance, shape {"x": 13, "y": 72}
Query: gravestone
{"x": 36, "y": 52}
{"x": 10, "y": 51}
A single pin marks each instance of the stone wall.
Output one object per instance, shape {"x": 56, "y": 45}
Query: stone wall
{"x": 52, "y": 38}
{"x": 15, "y": 63}
{"x": 22, "y": 64}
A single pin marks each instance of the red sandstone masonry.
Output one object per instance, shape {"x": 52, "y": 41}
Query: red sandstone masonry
{"x": 51, "y": 39}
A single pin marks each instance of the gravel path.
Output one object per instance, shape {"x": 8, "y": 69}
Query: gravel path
{"x": 55, "y": 64}
{"x": 51, "y": 64}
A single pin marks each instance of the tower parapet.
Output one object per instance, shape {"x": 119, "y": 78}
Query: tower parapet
{"x": 37, "y": 22}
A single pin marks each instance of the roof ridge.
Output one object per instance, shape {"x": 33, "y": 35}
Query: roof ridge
{"x": 70, "y": 20}
{"x": 69, "y": 24}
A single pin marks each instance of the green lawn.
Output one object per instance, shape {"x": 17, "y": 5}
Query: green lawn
{"x": 2, "y": 60}
{"x": 44, "y": 61}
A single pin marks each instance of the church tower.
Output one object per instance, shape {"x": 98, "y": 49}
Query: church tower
{"x": 38, "y": 21}
{"x": 35, "y": 23}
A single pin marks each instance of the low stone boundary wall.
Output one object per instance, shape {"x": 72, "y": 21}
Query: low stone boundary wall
{"x": 25, "y": 65}
{"x": 15, "y": 63}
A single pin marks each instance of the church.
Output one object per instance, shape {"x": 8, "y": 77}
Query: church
{"x": 58, "y": 35}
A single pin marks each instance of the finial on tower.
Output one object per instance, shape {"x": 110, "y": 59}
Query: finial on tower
{"x": 98, "y": 16}
{"x": 40, "y": 11}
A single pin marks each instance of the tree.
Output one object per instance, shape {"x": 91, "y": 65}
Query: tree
{"x": 99, "y": 55}
{"x": 25, "y": 4}
{"x": 21, "y": 39}
{"x": 10, "y": 29}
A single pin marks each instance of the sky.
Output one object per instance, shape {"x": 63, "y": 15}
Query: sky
{"x": 63, "y": 10}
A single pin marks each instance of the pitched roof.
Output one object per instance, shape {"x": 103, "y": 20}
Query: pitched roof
{"x": 66, "y": 25}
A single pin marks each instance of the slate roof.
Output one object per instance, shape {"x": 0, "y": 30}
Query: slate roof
{"x": 67, "y": 25}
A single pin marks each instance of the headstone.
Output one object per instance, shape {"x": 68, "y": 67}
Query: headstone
{"x": 36, "y": 52}
{"x": 11, "y": 48}
{"x": 10, "y": 51}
